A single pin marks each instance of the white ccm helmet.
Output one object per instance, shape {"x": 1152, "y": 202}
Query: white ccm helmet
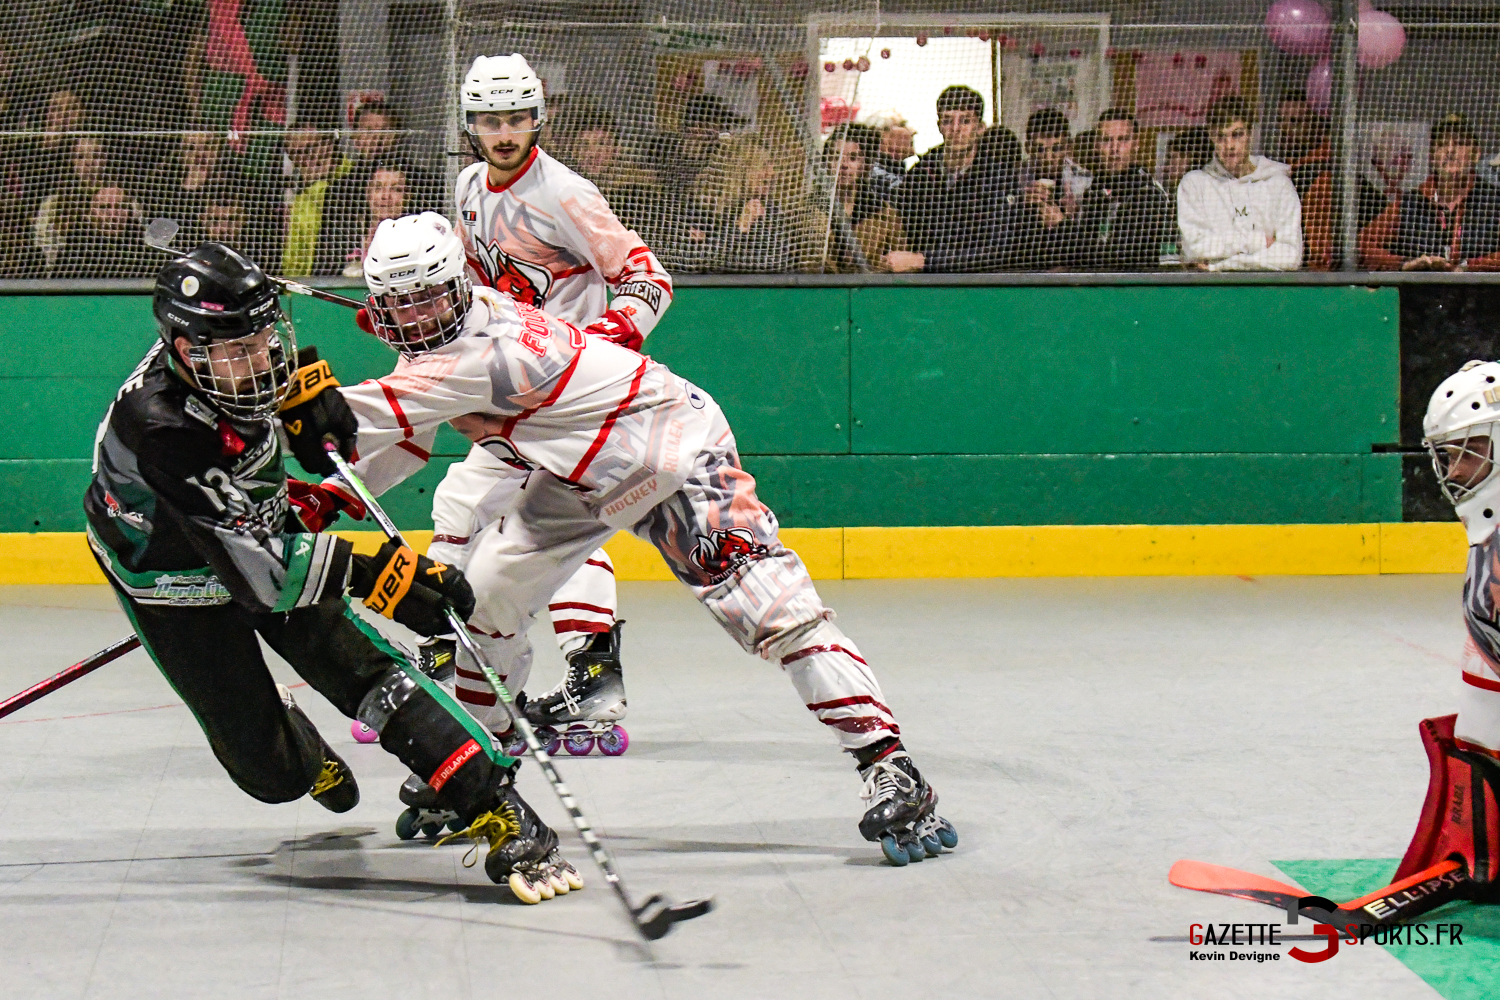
{"x": 500, "y": 83}
{"x": 419, "y": 294}
{"x": 1461, "y": 431}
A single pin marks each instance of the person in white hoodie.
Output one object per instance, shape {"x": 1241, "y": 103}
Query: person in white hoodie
{"x": 1240, "y": 212}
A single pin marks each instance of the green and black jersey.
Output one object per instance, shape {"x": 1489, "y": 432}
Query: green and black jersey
{"x": 189, "y": 508}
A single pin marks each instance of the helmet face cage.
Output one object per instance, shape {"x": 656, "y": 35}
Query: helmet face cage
{"x": 1463, "y": 462}
{"x": 423, "y": 319}
{"x": 246, "y": 378}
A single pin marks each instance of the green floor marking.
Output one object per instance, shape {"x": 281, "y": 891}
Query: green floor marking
{"x": 1458, "y": 972}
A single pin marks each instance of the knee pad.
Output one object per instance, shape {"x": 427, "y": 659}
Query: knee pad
{"x": 767, "y": 604}
{"x": 1461, "y": 814}
{"x": 382, "y": 700}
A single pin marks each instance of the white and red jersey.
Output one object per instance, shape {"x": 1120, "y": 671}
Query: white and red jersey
{"x": 549, "y": 239}
{"x": 538, "y": 393}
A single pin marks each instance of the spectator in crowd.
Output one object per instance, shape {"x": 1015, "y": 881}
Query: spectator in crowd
{"x": 954, "y": 203}
{"x": 1084, "y": 149}
{"x": 1241, "y": 212}
{"x": 753, "y": 229}
{"x": 375, "y": 139}
{"x": 857, "y": 209}
{"x": 1305, "y": 147}
{"x": 1450, "y": 223}
{"x": 223, "y": 216}
{"x": 894, "y": 152}
{"x": 1189, "y": 149}
{"x": 105, "y": 241}
{"x": 175, "y": 188}
{"x": 19, "y": 257}
{"x": 591, "y": 146}
{"x": 1124, "y": 221}
{"x": 1051, "y": 185}
{"x": 1001, "y": 145}
{"x": 1302, "y": 136}
{"x": 315, "y": 165}
{"x": 87, "y": 172}
{"x": 705, "y": 121}
{"x": 388, "y": 195}
{"x": 48, "y": 160}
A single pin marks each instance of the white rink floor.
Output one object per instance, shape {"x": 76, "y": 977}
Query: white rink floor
{"x": 1083, "y": 734}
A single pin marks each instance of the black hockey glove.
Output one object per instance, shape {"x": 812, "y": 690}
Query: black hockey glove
{"x": 410, "y": 589}
{"x": 313, "y": 415}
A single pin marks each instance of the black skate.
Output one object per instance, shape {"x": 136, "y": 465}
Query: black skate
{"x": 335, "y": 788}
{"x": 902, "y": 814}
{"x": 423, "y": 814}
{"x": 436, "y": 658}
{"x": 584, "y": 709}
{"x": 523, "y": 850}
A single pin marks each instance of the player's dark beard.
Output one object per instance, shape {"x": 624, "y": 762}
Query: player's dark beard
{"x": 511, "y": 156}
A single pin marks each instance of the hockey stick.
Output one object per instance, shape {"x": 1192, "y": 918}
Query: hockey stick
{"x": 41, "y": 689}
{"x": 1396, "y": 903}
{"x": 161, "y": 232}
{"x": 663, "y": 914}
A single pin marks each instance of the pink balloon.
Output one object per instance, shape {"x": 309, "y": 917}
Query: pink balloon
{"x": 1320, "y": 86}
{"x": 1299, "y": 27}
{"x": 1381, "y": 39}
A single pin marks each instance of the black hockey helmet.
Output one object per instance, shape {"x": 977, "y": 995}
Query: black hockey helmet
{"x": 242, "y": 344}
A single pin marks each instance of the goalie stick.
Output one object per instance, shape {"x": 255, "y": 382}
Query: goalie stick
{"x": 1393, "y": 904}
{"x": 654, "y": 917}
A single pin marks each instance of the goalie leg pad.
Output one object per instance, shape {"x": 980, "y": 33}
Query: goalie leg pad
{"x": 1461, "y": 814}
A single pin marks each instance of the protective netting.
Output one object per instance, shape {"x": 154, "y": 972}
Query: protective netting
{"x": 764, "y": 137}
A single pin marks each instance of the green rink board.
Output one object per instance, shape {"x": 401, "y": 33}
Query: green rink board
{"x": 896, "y": 405}
{"x": 834, "y": 491}
{"x": 1457, "y": 972}
{"x": 1129, "y": 369}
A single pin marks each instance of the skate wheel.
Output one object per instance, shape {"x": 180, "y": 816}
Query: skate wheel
{"x": 515, "y": 748}
{"x": 549, "y": 739}
{"x": 947, "y": 836}
{"x": 574, "y": 880}
{"x": 362, "y": 733}
{"x": 915, "y": 851}
{"x": 579, "y": 744}
{"x": 457, "y": 825}
{"x": 431, "y": 830}
{"x": 614, "y": 742}
{"x": 406, "y": 824}
{"x": 544, "y": 886}
{"x": 932, "y": 846}
{"x": 523, "y": 889}
{"x": 894, "y": 852}
{"x": 559, "y": 884}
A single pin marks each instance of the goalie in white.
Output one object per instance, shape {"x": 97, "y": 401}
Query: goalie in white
{"x": 546, "y": 237}
{"x": 613, "y": 441}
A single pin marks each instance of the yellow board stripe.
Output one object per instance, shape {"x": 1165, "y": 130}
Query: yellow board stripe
{"x": 887, "y": 553}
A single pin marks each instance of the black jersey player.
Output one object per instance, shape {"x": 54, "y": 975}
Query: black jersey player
{"x": 189, "y": 516}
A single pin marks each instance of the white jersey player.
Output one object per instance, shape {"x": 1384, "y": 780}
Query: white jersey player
{"x": 546, "y": 237}
{"x": 613, "y": 440}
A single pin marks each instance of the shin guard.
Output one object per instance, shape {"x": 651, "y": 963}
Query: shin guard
{"x": 439, "y": 742}
{"x": 1460, "y": 817}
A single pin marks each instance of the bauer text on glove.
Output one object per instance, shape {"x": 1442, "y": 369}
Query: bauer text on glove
{"x": 410, "y": 589}
{"x": 314, "y": 413}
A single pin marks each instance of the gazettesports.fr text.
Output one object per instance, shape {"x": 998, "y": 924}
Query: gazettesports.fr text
{"x": 1230, "y": 935}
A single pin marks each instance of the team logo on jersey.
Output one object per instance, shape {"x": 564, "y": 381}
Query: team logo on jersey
{"x": 725, "y": 550}
{"x": 116, "y": 509}
{"x": 521, "y": 280}
{"x": 471, "y": 218}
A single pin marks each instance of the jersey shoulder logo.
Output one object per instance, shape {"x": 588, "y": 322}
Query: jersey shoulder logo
{"x": 521, "y": 280}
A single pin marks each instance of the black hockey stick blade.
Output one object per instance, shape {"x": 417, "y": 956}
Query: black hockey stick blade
{"x": 1392, "y": 904}
{"x": 663, "y": 915}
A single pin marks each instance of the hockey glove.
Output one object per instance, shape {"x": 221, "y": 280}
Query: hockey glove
{"x": 318, "y": 505}
{"x": 410, "y": 589}
{"x": 313, "y": 414}
{"x": 617, "y": 327}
